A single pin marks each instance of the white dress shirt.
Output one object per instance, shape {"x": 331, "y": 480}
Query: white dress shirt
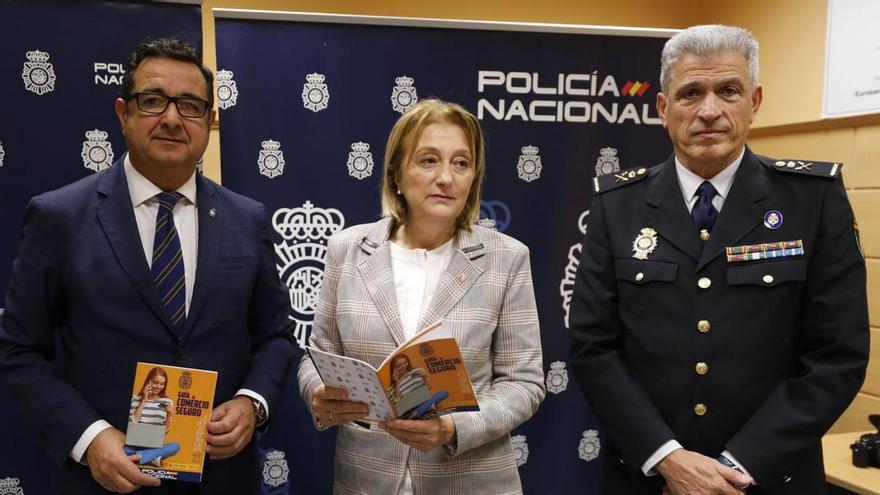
{"x": 416, "y": 276}
{"x": 689, "y": 182}
{"x": 186, "y": 220}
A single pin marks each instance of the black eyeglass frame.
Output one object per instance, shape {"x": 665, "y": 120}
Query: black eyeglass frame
{"x": 168, "y": 101}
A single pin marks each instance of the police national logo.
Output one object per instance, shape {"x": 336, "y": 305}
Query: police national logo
{"x": 360, "y": 161}
{"x": 275, "y": 469}
{"x": 2, "y": 153}
{"x": 557, "y": 377}
{"x": 304, "y": 231}
{"x": 589, "y": 447}
{"x": 10, "y": 486}
{"x": 37, "y": 73}
{"x": 404, "y": 96}
{"x": 271, "y": 159}
{"x": 494, "y": 214}
{"x": 227, "y": 92}
{"x": 607, "y": 162}
{"x": 566, "y": 286}
{"x": 529, "y": 165}
{"x": 520, "y": 449}
{"x": 315, "y": 94}
{"x": 97, "y": 152}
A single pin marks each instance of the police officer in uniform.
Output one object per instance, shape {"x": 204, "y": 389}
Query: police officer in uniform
{"x": 719, "y": 317}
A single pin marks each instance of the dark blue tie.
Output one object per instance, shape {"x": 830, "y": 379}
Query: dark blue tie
{"x": 704, "y": 212}
{"x": 167, "y": 268}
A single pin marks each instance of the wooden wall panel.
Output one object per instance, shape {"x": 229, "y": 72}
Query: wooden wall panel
{"x": 835, "y": 145}
{"x": 856, "y": 417}
{"x": 865, "y": 170}
{"x": 872, "y": 378}
{"x": 866, "y": 205}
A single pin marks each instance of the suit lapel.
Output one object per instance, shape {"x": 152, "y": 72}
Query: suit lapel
{"x": 378, "y": 278}
{"x": 457, "y": 280}
{"x": 210, "y": 227}
{"x": 671, "y": 219}
{"x": 116, "y": 216}
{"x": 741, "y": 212}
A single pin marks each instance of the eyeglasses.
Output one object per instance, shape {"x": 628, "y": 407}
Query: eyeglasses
{"x": 156, "y": 104}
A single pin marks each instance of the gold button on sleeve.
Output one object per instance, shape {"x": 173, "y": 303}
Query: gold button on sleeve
{"x": 701, "y": 368}
{"x": 704, "y": 326}
{"x": 700, "y": 409}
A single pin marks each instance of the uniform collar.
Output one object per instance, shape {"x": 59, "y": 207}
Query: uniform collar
{"x": 722, "y": 181}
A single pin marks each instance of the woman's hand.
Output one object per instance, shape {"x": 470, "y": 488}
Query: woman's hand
{"x": 331, "y": 407}
{"x": 424, "y": 435}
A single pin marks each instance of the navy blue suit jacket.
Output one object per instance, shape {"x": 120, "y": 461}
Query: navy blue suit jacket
{"x": 81, "y": 282}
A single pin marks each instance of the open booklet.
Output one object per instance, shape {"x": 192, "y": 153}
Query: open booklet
{"x": 423, "y": 378}
{"x": 168, "y": 420}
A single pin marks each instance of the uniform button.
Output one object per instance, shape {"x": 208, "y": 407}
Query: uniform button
{"x": 768, "y": 279}
{"x": 640, "y": 276}
{"x": 704, "y": 234}
{"x": 786, "y": 479}
{"x": 700, "y": 409}
{"x": 704, "y": 283}
{"x": 704, "y": 326}
{"x": 701, "y": 368}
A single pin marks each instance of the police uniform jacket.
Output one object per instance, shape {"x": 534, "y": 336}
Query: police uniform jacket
{"x": 756, "y": 357}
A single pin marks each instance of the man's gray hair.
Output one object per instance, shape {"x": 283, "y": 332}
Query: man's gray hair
{"x": 707, "y": 40}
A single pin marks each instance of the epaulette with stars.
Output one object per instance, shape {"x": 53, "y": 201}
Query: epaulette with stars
{"x": 607, "y": 182}
{"x": 829, "y": 170}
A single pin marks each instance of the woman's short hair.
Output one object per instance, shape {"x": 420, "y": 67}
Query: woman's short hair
{"x": 400, "y": 146}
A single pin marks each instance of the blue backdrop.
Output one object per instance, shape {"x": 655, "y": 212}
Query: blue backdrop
{"x": 306, "y": 106}
{"x": 61, "y": 67}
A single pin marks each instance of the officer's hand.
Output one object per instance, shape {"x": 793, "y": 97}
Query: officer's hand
{"x": 111, "y": 468}
{"x": 231, "y": 427}
{"x": 424, "y": 435}
{"x": 332, "y": 407}
{"x": 691, "y": 473}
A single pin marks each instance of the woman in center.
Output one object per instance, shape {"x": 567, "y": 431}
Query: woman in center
{"x": 425, "y": 261}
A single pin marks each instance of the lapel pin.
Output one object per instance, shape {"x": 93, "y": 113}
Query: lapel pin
{"x": 212, "y": 212}
{"x": 645, "y": 243}
{"x": 773, "y": 219}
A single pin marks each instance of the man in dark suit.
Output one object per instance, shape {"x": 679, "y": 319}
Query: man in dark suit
{"x": 719, "y": 318}
{"x": 146, "y": 261}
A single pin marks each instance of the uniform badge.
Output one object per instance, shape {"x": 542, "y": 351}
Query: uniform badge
{"x": 645, "y": 243}
{"x": 360, "y": 161}
{"x": 773, "y": 219}
{"x": 275, "y": 470}
{"x": 590, "y": 446}
{"x": 494, "y": 214}
{"x": 37, "y": 73}
{"x": 10, "y": 486}
{"x": 315, "y": 95}
{"x": 529, "y": 164}
{"x": 404, "y": 96}
{"x": 271, "y": 159}
{"x": 607, "y": 162}
{"x": 557, "y": 377}
{"x": 300, "y": 259}
{"x": 97, "y": 152}
{"x": 227, "y": 91}
{"x": 2, "y": 153}
{"x": 520, "y": 449}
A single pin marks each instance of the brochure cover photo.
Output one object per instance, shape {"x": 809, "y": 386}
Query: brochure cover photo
{"x": 423, "y": 378}
{"x": 168, "y": 420}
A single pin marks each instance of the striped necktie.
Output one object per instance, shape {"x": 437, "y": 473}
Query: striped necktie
{"x": 167, "y": 267}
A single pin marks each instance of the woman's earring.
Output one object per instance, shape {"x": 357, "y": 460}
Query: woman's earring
{"x": 398, "y": 191}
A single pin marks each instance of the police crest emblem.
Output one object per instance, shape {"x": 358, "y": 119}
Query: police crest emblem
{"x": 520, "y": 449}
{"x": 97, "y": 152}
{"x": 607, "y": 162}
{"x": 404, "y": 96}
{"x": 589, "y": 447}
{"x": 494, "y": 214}
{"x": 645, "y": 243}
{"x": 10, "y": 486}
{"x": 315, "y": 95}
{"x": 185, "y": 381}
{"x": 304, "y": 232}
{"x": 566, "y": 286}
{"x": 529, "y": 165}
{"x": 557, "y": 377}
{"x": 227, "y": 91}
{"x": 275, "y": 469}
{"x": 37, "y": 73}
{"x": 271, "y": 159}
{"x": 360, "y": 161}
{"x": 2, "y": 153}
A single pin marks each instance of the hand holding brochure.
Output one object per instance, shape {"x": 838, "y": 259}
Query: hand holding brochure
{"x": 423, "y": 378}
{"x": 168, "y": 420}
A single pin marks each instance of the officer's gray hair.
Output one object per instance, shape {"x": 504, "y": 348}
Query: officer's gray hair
{"x": 707, "y": 40}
